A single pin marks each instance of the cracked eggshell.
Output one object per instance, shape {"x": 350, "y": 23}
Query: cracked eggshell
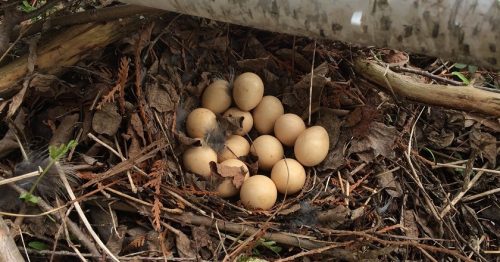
{"x": 247, "y": 123}
{"x": 266, "y": 113}
{"x": 248, "y": 90}
{"x": 312, "y": 145}
{"x": 289, "y": 176}
{"x": 234, "y": 147}
{"x": 197, "y": 160}
{"x": 199, "y": 122}
{"x": 268, "y": 149}
{"x": 258, "y": 192}
{"x": 288, "y": 127}
{"x": 217, "y": 97}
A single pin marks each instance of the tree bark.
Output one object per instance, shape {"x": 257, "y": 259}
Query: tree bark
{"x": 463, "y": 31}
{"x": 466, "y": 98}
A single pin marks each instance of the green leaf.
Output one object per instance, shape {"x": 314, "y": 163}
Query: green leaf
{"x": 58, "y": 152}
{"x": 37, "y": 245}
{"x": 27, "y": 7}
{"x": 460, "y": 66}
{"x": 472, "y": 69}
{"x": 30, "y": 198}
{"x": 462, "y": 77}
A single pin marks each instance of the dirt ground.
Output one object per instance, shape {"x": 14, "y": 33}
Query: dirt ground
{"x": 402, "y": 180}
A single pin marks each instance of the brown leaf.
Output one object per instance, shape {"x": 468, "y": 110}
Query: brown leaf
{"x": 379, "y": 141}
{"x": 333, "y": 218}
{"x": 202, "y": 237}
{"x": 9, "y": 143}
{"x": 255, "y": 65}
{"x": 107, "y": 119}
{"x": 440, "y": 140}
{"x": 486, "y": 143}
{"x": 159, "y": 98}
{"x": 387, "y": 181}
{"x": 184, "y": 245}
{"x": 136, "y": 123}
{"x": 300, "y": 61}
{"x": 64, "y": 131}
{"x": 237, "y": 174}
{"x": 410, "y": 224}
{"x": 319, "y": 79}
{"x": 218, "y": 43}
{"x": 17, "y": 100}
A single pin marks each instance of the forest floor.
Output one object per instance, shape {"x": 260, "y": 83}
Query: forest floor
{"x": 402, "y": 180}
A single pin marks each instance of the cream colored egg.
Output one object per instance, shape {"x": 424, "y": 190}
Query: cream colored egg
{"x": 311, "y": 147}
{"x": 226, "y": 188}
{"x": 235, "y": 147}
{"x": 268, "y": 149}
{"x": 289, "y": 176}
{"x": 266, "y": 113}
{"x": 258, "y": 192}
{"x": 288, "y": 127}
{"x": 248, "y": 90}
{"x": 197, "y": 160}
{"x": 217, "y": 97}
{"x": 199, "y": 122}
{"x": 247, "y": 122}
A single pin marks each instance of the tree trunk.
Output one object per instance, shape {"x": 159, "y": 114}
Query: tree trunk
{"x": 463, "y": 31}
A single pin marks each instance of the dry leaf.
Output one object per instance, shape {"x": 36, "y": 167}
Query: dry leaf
{"x": 184, "y": 246}
{"x": 387, "y": 181}
{"x": 107, "y": 120}
{"x": 410, "y": 224}
{"x": 379, "y": 141}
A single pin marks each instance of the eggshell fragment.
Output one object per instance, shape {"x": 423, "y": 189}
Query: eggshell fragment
{"x": 199, "y": 122}
{"x": 247, "y": 122}
{"x": 266, "y": 113}
{"x": 311, "y": 147}
{"x": 268, "y": 149}
{"x": 217, "y": 97}
{"x": 288, "y": 127}
{"x": 227, "y": 188}
{"x": 235, "y": 147}
{"x": 258, "y": 192}
{"x": 197, "y": 160}
{"x": 248, "y": 90}
{"x": 289, "y": 176}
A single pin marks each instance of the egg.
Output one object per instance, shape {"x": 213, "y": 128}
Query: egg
{"x": 289, "y": 176}
{"x": 288, "y": 127}
{"x": 248, "y": 90}
{"x": 266, "y": 113}
{"x": 226, "y": 188}
{"x": 217, "y": 97}
{"x": 258, "y": 192}
{"x": 199, "y": 122}
{"x": 234, "y": 147}
{"x": 197, "y": 160}
{"x": 268, "y": 149}
{"x": 247, "y": 122}
{"x": 311, "y": 146}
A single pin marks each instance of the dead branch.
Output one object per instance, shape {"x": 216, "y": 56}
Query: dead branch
{"x": 466, "y": 98}
{"x": 7, "y": 245}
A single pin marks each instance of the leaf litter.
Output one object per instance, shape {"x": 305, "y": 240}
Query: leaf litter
{"x": 372, "y": 196}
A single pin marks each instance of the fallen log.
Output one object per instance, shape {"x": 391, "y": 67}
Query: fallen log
{"x": 66, "y": 49}
{"x": 467, "y": 98}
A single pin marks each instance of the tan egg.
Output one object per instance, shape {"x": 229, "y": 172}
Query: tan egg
{"x": 217, "y": 97}
{"x": 312, "y": 145}
{"x": 247, "y": 123}
{"x": 268, "y": 149}
{"x": 199, "y": 122}
{"x": 197, "y": 159}
{"x": 226, "y": 188}
{"x": 289, "y": 176}
{"x": 288, "y": 127}
{"x": 266, "y": 113}
{"x": 258, "y": 192}
{"x": 234, "y": 147}
{"x": 248, "y": 90}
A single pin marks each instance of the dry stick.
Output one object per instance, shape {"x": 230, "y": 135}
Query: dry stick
{"x": 312, "y": 252}
{"x": 459, "y": 196}
{"x": 80, "y": 212}
{"x": 74, "y": 228}
{"x": 17, "y": 178}
{"x": 476, "y": 196}
{"x": 492, "y": 171}
{"x": 129, "y": 176}
{"x": 311, "y": 85}
{"x": 169, "y": 210}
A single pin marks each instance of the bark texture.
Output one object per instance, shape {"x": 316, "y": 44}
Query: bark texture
{"x": 466, "y": 98}
{"x": 465, "y": 31}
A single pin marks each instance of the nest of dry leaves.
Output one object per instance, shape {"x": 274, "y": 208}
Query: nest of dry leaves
{"x": 402, "y": 180}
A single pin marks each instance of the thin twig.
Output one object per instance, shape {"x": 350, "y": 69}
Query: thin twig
{"x": 311, "y": 84}
{"x": 80, "y": 212}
